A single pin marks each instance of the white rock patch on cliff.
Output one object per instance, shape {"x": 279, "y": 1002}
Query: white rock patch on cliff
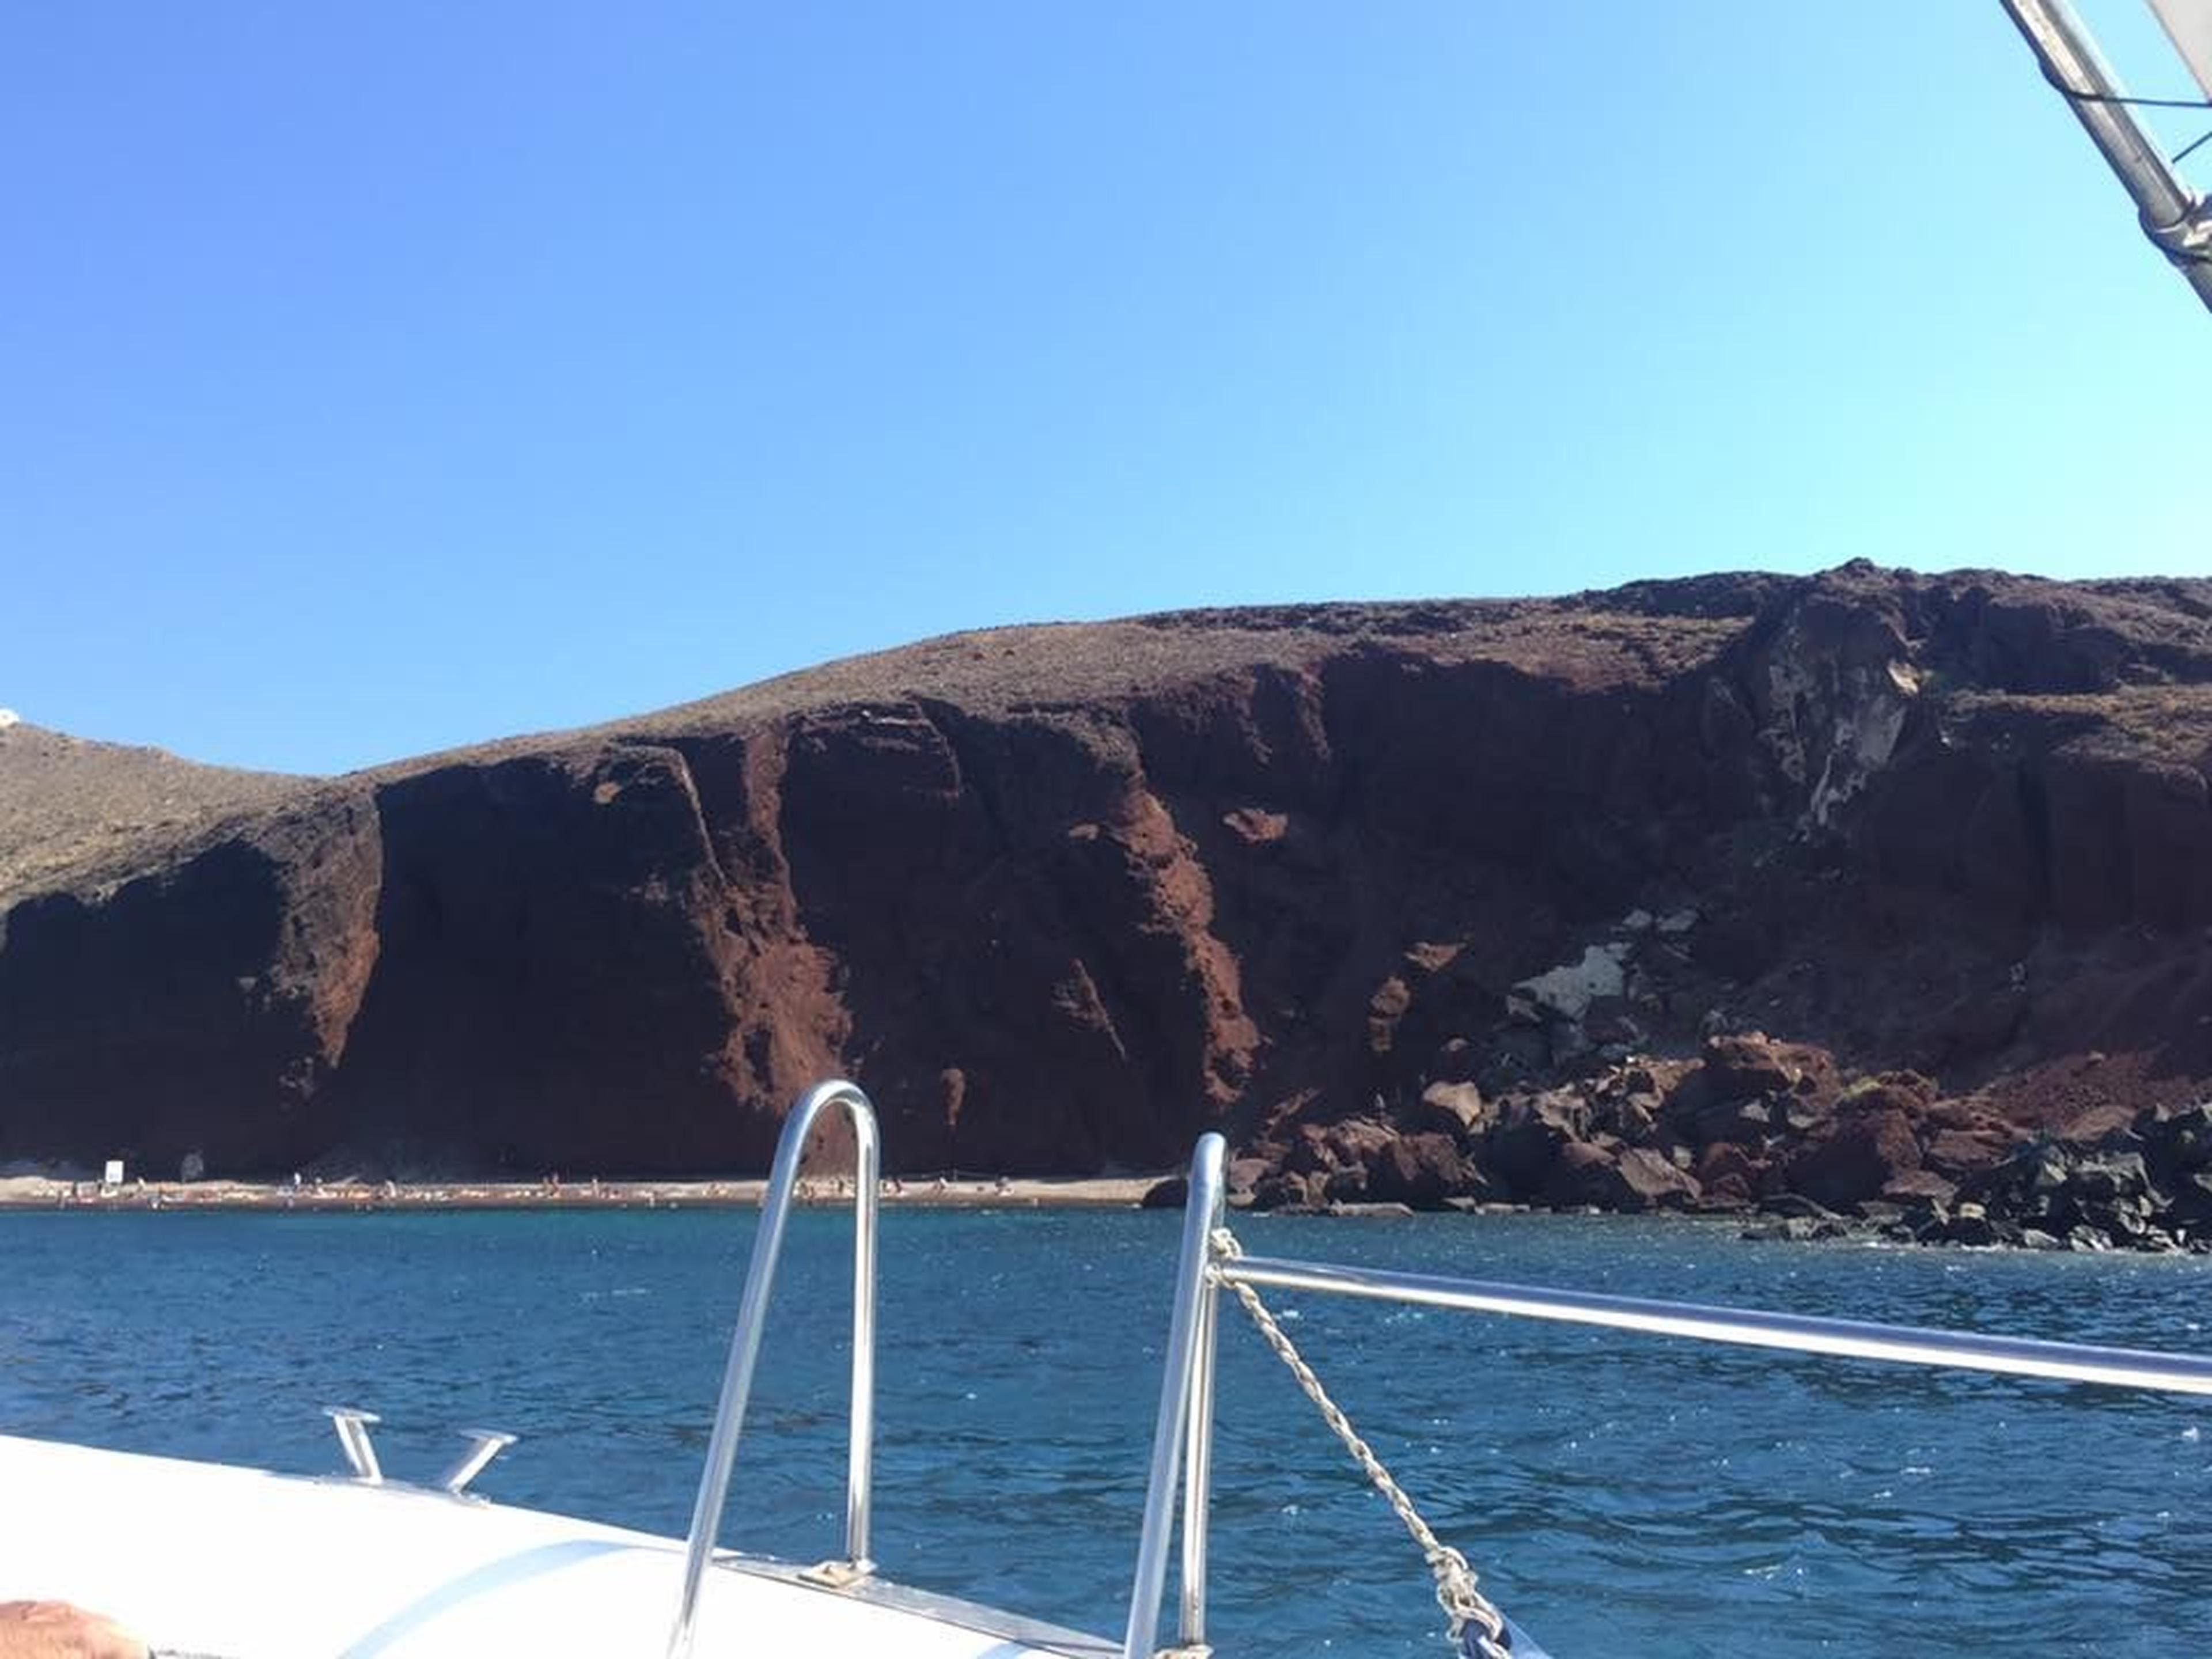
{"x": 1864, "y": 737}
{"x": 1568, "y": 991}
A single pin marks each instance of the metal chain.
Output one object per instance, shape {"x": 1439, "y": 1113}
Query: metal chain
{"x": 1463, "y": 1604}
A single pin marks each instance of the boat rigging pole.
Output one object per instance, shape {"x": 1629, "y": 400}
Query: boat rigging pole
{"x": 2178, "y": 221}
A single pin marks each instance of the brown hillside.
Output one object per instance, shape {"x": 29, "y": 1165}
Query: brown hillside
{"x": 71, "y": 809}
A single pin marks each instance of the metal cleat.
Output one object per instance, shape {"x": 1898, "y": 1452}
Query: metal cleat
{"x": 484, "y": 1445}
{"x": 352, "y": 1426}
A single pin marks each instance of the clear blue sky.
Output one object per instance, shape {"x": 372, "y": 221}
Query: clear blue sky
{"x": 377, "y": 378}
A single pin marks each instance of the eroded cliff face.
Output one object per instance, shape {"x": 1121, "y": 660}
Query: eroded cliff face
{"x": 1063, "y": 896}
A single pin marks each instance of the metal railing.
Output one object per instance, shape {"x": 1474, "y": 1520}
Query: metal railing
{"x": 746, "y": 1343}
{"x": 1189, "y": 1371}
{"x": 1184, "y": 1430}
{"x": 1182, "y": 1436}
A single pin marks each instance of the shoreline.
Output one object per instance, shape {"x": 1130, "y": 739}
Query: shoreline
{"x": 24, "y": 1194}
{"x": 49, "y": 1192}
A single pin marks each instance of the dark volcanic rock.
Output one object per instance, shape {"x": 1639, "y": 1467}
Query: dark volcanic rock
{"x": 1531, "y": 1135}
{"x": 2142, "y": 1187}
{"x": 1867, "y": 1147}
{"x": 1750, "y": 1086}
{"x": 1496, "y": 880}
{"x": 1421, "y": 1170}
{"x": 1754, "y": 1067}
{"x": 1631, "y": 1178}
{"x": 1172, "y": 1193}
{"x": 1729, "y": 1177}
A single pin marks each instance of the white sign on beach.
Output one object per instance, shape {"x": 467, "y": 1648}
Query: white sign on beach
{"x": 112, "y": 1176}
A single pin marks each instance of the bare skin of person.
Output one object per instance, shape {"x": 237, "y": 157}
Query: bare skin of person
{"x": 55, "y": 1630}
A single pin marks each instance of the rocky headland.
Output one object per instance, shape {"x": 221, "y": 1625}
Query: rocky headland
{"x": 1867, "y": 895}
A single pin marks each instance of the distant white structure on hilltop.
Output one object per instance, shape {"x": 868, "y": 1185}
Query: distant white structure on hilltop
{"x": 9, "y": 717}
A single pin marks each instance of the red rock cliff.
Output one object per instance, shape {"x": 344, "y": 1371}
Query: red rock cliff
{"x": 1061, "y": 896}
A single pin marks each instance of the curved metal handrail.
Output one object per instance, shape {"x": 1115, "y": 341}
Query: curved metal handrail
{"x": 752, "y": 1319}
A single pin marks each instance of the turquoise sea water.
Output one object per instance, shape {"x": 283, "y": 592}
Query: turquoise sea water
{"x": 1620, "y": 1495}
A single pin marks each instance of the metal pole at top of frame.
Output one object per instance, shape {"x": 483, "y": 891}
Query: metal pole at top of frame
{"x": 2173, "y": 217}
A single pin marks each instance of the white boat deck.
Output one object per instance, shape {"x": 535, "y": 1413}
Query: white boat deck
{"x": 202, "y": 1559}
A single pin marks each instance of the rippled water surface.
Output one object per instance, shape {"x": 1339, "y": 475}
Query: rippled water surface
{"x": 1620, "y": 1495}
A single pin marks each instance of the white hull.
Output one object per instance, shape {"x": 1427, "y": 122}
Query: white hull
{"x": 205, "y": 1560}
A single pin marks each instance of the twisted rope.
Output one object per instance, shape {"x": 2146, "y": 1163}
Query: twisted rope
{"x": 1464, "y": 1606}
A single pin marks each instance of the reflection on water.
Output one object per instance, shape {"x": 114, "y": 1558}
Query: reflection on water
{"x": 1619, "y": 1493}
